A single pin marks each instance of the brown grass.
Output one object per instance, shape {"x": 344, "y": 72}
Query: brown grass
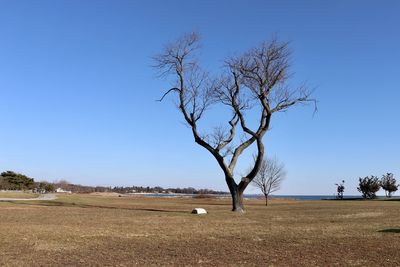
{"x": 104, "y": 231}
{"x": 10, "y": 194}
{"x": 209, "y": 196}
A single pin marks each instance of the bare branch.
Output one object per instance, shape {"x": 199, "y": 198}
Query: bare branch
{"x": 227, "y": 139}
{"x": 166, "y": 93}
{"x": 285, "y": 98}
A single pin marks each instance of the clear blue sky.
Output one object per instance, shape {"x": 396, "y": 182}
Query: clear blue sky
{"x": 77, "y": 91}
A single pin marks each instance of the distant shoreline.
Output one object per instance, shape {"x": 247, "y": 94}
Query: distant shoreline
{"x": 255, "y": 196}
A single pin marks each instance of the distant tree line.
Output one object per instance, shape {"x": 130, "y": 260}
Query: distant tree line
{"x": 158, "y": 189}
{"x": 76, "y": 188}
{"x": 10, "y": 180}
{"x": 368, "y": 186}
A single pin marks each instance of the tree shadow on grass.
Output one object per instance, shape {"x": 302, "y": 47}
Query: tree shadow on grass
{"x": 390, "y": 230}
{"x": 88, "y": 206}
{"x": 392, "y": 199}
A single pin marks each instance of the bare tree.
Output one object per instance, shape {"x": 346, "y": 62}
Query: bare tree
{"x": 269, "y": 178}
{"x": 255, "y": 81}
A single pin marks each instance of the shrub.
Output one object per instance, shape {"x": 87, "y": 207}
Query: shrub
{"x": 389, "y": 184}
{"x": 340, "y": 190}
{"x": 368, "y": 186}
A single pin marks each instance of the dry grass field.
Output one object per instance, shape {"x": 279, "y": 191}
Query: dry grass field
{"x": 90, "y": 230}
{"x": 10, "y": 194}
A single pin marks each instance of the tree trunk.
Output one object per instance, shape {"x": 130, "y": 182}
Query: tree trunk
{"x": 237, "y": 202}
{"x": 237, "y": 195}
{"x": 266, "y": 200}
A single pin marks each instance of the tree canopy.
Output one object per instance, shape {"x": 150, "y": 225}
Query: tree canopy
{"x": 15, "y": 181}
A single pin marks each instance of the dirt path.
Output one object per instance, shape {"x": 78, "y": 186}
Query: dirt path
{"x": 41, "y": 197}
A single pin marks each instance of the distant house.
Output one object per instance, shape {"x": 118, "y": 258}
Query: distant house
{"x": 60, "y": 190}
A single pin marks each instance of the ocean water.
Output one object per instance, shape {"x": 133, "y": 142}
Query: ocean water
{"x": 295, "y": 197}
{"x": 311, "y": 197}
{"x": 298, "y": 197}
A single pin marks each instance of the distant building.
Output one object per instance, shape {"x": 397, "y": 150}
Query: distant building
{"x": 60, "y": 190}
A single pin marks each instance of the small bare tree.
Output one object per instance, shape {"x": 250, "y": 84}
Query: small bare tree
{"x": 269, "y": 178}
{"x": 254, "y": 82}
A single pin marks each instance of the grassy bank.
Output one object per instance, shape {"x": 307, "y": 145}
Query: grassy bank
{"x": 119, "y": 231}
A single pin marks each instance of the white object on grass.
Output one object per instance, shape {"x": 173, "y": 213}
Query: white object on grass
{"x": 199, "y": 211}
